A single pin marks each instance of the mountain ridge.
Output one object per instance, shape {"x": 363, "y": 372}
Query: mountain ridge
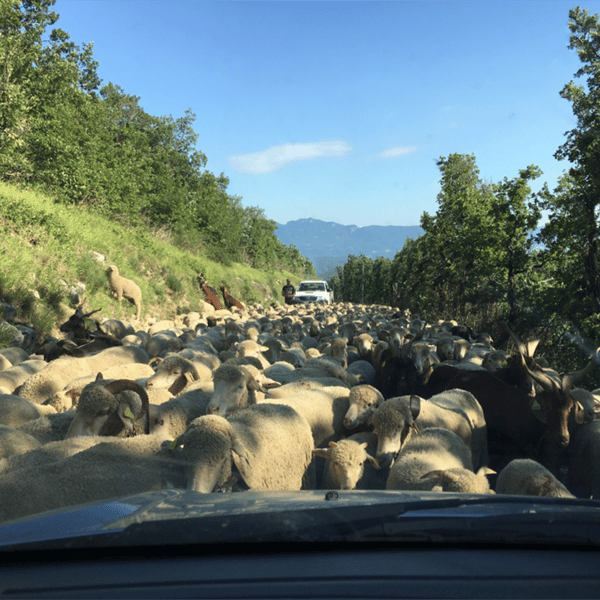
{"x": 328, "y": 244}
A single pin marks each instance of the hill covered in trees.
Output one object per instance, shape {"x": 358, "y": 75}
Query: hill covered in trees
{"x": 93, "y": 145}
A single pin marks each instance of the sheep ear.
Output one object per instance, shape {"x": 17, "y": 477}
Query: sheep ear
{"x": 415, "y": 406}
{"x": 322, "y": 452}
{"x": 483, "y": 471}
{"x": 332, "y": 445}
{"x": 373, "y": 461}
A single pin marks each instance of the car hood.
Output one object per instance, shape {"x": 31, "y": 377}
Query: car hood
{"x": 178, "y": 516}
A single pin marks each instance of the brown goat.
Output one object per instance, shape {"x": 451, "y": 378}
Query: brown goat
{"x": 229, "y": 300}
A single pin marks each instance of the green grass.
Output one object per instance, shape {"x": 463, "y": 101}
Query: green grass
{"x": 42, "y": 243}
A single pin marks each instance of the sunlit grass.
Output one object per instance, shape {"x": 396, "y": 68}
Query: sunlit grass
{"x": 43, "y": 243}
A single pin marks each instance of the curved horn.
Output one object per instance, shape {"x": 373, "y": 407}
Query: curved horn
{"x": 120, "y": 385}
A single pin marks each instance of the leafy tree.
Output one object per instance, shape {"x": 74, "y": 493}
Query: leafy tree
{"x": 571, "y": 235}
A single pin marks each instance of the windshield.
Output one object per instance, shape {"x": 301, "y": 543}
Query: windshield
{"x": 307, "y": 286}
{"x": 175, "y": 175}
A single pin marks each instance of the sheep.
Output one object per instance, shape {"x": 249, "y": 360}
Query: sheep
{"x": 347, "y": 464}
{"x": 49, "y": 428}
{"x": 235, "y": 388}
{"x": 53, "y": 378}
{"x": 104, "y": 408}
{"x": 323, "y": 408}
{"x": 171, "y": 418}
{"x": 271, "y": 445}
{"x": 15, "y": 411}
{"x": 397, "y": 419}
{"x": 125, "y": 288}
{"x": 14, "y": 354}
{"x": 13, "y": 441}
{"x": 174, "y": 373}
{"x": 427, "y": 452}
{"x": 56, "y": 375}
{"x": 363, "y": 401}
{"x": 361, "y": 371}
{"x": 528, "y": 477}
{"x": 13, "y": 377}
{"x": 105, "y": 470}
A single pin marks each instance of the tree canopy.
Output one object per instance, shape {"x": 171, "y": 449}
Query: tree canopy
{"x": 93, "y": 144}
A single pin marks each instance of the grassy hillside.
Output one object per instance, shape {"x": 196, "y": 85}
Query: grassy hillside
{"x": 42, "y": 243}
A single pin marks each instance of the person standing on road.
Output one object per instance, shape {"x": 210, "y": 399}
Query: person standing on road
{"x": 288, "y": 292}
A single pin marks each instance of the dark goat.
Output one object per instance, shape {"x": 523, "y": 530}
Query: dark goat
{"x": 513, "y": 429}
{"x": 396, "y": 374}
{"x": 78, "y": 327}
{"x": 229, "y": 300}
{"x": 86, "y": 342}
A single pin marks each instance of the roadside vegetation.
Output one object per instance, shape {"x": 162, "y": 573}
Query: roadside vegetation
{"x": 47, "y": 248}
{"x": 498, "y": 251}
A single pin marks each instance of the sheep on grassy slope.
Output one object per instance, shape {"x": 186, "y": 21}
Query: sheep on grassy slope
{"x": 105, "y": 470}
{"x": 271, "y": 446}
{"x": 105, "y": 409}
{"x": 122, "y": 287}
{"x": 347, "y": 463}
{"x": 529, "y": 478}
{"x": 425, "y": 458}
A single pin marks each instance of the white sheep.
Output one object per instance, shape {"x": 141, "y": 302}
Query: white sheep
{"x": 349, "y": 463}
{"x": 122, "y": 287}
{"x": 14, "y": 376}
{"x": 175, "y": 373}
{"x": 397, "y": 419}
{"x": 271, "y": 446}
{"x": 171, "y": 418}
{"x": 428, "y": 452}
{"x": 527, "y": 477}
{"x": 13, "y": 441}
{"x": 14, "y": 410}
{"x": 363, "y": 401}
{"x": 104, "y": 408}
{"x": 105, "y": 470}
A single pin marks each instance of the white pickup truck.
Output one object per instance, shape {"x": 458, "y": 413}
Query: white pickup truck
{"x": 314, "y": 291}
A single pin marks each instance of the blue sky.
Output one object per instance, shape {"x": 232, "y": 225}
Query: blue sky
{"x": 339, "y": 110}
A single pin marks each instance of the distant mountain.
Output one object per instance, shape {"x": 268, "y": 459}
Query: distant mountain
{"x": 328, "y": 244}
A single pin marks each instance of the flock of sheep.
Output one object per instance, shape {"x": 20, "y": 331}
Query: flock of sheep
{"x": 289, "y": 398}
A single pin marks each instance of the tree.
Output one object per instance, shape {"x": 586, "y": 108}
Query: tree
{"x": 571, "y": 235}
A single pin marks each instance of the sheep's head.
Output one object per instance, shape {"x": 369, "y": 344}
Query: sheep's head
{"x": 364, "y": 400}
{"x": 208, "y": 445}
{"x": 347, "y": 460}
{"x": 174, "y": 373}
{"x": 234, "y": 388}
{"x": 394, "y": 423}
{"x": 104, "y": 408}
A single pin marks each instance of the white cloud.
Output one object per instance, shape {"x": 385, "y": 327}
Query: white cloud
{"x": 398, "y": 151}
{"x": 275, "y": 158}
